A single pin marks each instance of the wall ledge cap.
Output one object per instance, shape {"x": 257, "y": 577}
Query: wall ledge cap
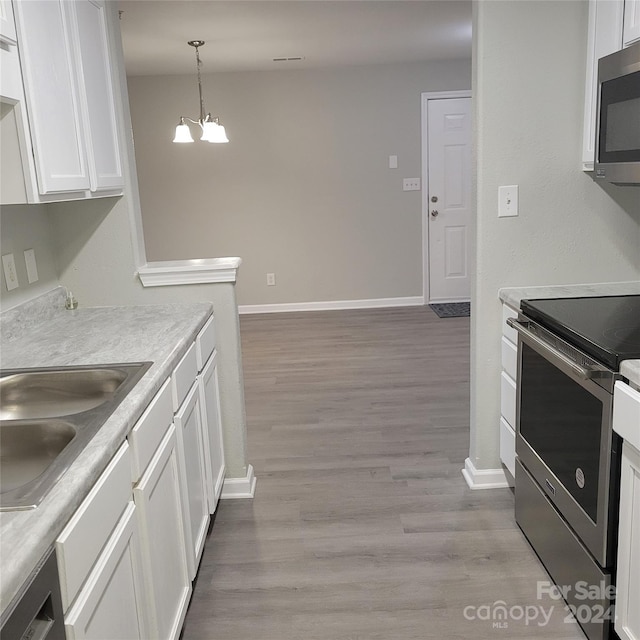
{"x": 196, "y": 271}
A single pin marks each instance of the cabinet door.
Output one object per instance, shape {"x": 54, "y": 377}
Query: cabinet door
{"x": 110, "y": 604}
{"x": 605, "y": 37}
{"x": 188, "y": 421}
{"x": 627, "y": 622}
{"x": 95, "y": 79}
{"x": 212, "y": 423}
{"x": 159, "y": 502}
{"x": 53, "y": 106}
{"x": 7, "y": 25}
{"x": 631, "y": 28}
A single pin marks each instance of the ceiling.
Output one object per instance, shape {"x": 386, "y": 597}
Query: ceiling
{"x": 246, "y": 35}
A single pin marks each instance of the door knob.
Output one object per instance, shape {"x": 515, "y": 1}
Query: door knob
{"x": 434, "y": 213}
{"x": 434, "y": 198}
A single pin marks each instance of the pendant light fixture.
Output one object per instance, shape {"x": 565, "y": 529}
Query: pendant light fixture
{"x": 212, "y": 130}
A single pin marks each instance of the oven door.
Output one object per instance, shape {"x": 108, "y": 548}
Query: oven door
{"x": 564, "y": 435}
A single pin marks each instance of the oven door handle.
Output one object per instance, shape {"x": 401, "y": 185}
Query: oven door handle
{"x": 554, "y": 356}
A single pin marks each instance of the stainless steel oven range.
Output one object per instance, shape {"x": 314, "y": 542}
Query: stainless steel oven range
{"x": 567, "y": 455}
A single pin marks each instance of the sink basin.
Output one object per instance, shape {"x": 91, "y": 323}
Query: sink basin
{"x": 49, "y": 394}
{"x": 28, "y": 448}
{"x": 47, "y": 418}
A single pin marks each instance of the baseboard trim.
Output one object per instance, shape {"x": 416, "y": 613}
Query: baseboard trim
{"x": 484, "y": 478}
{"x": 332, "y": 305}
{"x": 234, "y": 488}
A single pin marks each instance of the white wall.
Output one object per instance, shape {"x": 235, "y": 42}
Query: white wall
{"x": 303, "y": 189}
{"x": 529, "y": 73}
{"x": 25, "y": 227}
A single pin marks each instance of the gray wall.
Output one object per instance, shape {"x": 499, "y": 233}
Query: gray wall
{"x": 27, "y": 227}
{"x": 529, "y": 95}
{"x": 303, "y": 189}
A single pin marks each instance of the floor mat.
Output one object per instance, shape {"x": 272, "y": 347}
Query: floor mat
{"x": 452, "y": 309}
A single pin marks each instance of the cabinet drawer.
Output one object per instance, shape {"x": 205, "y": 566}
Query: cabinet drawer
{"x": 184, "y": 376}
{"x": 148, "y": 432}
{"x": 510, "y": 358}
{"x": 508, "y": 399}
{"x": 84, "y": 537}
{"x": 507, "y": 331}
{"x": 205, "y": 343}
{"x": 626, "y": 413}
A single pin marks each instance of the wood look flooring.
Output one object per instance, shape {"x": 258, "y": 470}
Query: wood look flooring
{"x": 362, "y": 527}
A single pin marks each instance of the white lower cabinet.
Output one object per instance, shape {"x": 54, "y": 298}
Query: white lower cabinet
{"x": 626, "y": 422}
{"x": 111, "y": 602}
{"x": 212, "y": 423}
{"x": 99, "y": 562}
{"x": 159, "y": 500}
{"x": 129, "y": 554}
{"x": 191, "y": 447}
{"x": 508, "y": 394}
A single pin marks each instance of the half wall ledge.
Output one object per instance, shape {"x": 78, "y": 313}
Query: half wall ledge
{"x": 196, "y": 271}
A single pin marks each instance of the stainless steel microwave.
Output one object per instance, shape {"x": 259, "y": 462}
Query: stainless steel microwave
{"x": 618, "y": 132}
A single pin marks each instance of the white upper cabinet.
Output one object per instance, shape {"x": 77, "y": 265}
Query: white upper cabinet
{"x": 631, "y": 27}
{"x": 96, "y": 93}
{"x": 605, "y": 37}
{"x": 53, "y": 105}
{"x": 71, "y": 142}
{"x": 613, "y": 25}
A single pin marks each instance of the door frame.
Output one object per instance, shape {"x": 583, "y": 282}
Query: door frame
{"x": 425, "y": 97}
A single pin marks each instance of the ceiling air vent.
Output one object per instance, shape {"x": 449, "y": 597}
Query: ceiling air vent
{"x": 292, "y": 59}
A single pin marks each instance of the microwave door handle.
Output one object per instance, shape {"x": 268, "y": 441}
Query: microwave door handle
{"x": 552, "y": 354}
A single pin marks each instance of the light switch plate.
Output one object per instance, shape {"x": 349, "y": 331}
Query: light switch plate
{"x": 393, "y": 162}
{"x": 508, "y": 201}
{"x": 10, "y": 274}
{"x": 32, "y": 267}
{"x": 411, "y": 184}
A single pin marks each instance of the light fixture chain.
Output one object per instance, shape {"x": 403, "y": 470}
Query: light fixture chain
{"x": 199, "y": 65}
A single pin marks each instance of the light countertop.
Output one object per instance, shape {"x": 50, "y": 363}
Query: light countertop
{"x": 513, "y": 295}
{"x": 44, "y": 333}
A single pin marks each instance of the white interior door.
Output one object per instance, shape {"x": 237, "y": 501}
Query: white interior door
{"x": 448, "y": 197}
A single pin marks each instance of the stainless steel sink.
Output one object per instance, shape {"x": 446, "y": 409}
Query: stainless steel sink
{"x": 28, "y": 448}
{"x": 48, "y": 394}
{"x": 49, "y": 415}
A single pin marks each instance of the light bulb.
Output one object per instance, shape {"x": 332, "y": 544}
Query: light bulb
{"x": 208, "y": 131}
{"x": 183, "y": 133}
{"x": 218, "y": 134}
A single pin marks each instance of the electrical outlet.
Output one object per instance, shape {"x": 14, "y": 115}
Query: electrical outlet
{"x": 508, "y": 201}
{"x": 10, "y": 274}
{"x": 32, "y": 267}
{"x": 411, "y": 184}
{"x": 271, "y": 279}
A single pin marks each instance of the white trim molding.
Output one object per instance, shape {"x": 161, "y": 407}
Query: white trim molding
{"x": 198, "y": 271}
{"x": 239, "y": 487}
{"x": 332, "y": 305}
{"x": 484, "y": 478}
